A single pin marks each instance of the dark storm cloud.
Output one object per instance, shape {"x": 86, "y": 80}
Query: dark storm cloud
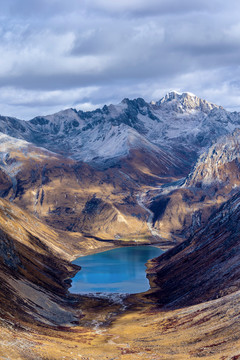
{"x": 88, "y": 53}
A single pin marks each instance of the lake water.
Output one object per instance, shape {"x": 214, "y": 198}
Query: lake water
{"x": 119, "y": 270}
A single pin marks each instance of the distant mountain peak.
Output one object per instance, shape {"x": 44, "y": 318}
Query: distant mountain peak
{"x": 185, "y": 102}
{"x": 175, "y": 95}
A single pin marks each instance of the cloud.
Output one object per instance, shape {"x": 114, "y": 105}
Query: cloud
{"x": 57, "y": 54}
{"x": 151, "y": 7}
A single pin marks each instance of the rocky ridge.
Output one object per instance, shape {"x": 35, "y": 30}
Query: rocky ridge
{"x": 177, "y": 123}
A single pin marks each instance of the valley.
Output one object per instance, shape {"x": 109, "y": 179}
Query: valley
{"x": 78, "y": 183}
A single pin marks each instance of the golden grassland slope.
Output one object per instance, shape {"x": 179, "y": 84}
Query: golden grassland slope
{"x": 34, "y": 270}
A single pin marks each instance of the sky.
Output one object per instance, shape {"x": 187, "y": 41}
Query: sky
{"x": 57, "y": 54}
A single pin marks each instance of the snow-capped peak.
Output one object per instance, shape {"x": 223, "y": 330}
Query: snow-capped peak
{"x": 184, "y": 102}
{"x": 172, "y": 95}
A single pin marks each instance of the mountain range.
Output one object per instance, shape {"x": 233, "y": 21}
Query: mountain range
{"x": 74, "y": 183}
{"x": 105, "y": 161}
{"x": 105, "y": 135}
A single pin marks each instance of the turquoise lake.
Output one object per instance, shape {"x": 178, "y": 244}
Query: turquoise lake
{"x": 119, "y": 270}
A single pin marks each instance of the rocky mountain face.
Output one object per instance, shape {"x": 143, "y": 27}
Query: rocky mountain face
{"x": 181, "y": 208}
{"x": 205, "y": 266}
{"x": 219, "y": 165}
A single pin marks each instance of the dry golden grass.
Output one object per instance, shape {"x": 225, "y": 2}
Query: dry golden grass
{"x": 209, "y": 331}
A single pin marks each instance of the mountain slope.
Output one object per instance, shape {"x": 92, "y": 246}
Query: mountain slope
{"x": 205, "y": 266}
{"x": 181, "y": 208}
{"x": 34, "y": 268}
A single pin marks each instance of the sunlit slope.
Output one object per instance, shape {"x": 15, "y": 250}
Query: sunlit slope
{"x": 34, "y": 268}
